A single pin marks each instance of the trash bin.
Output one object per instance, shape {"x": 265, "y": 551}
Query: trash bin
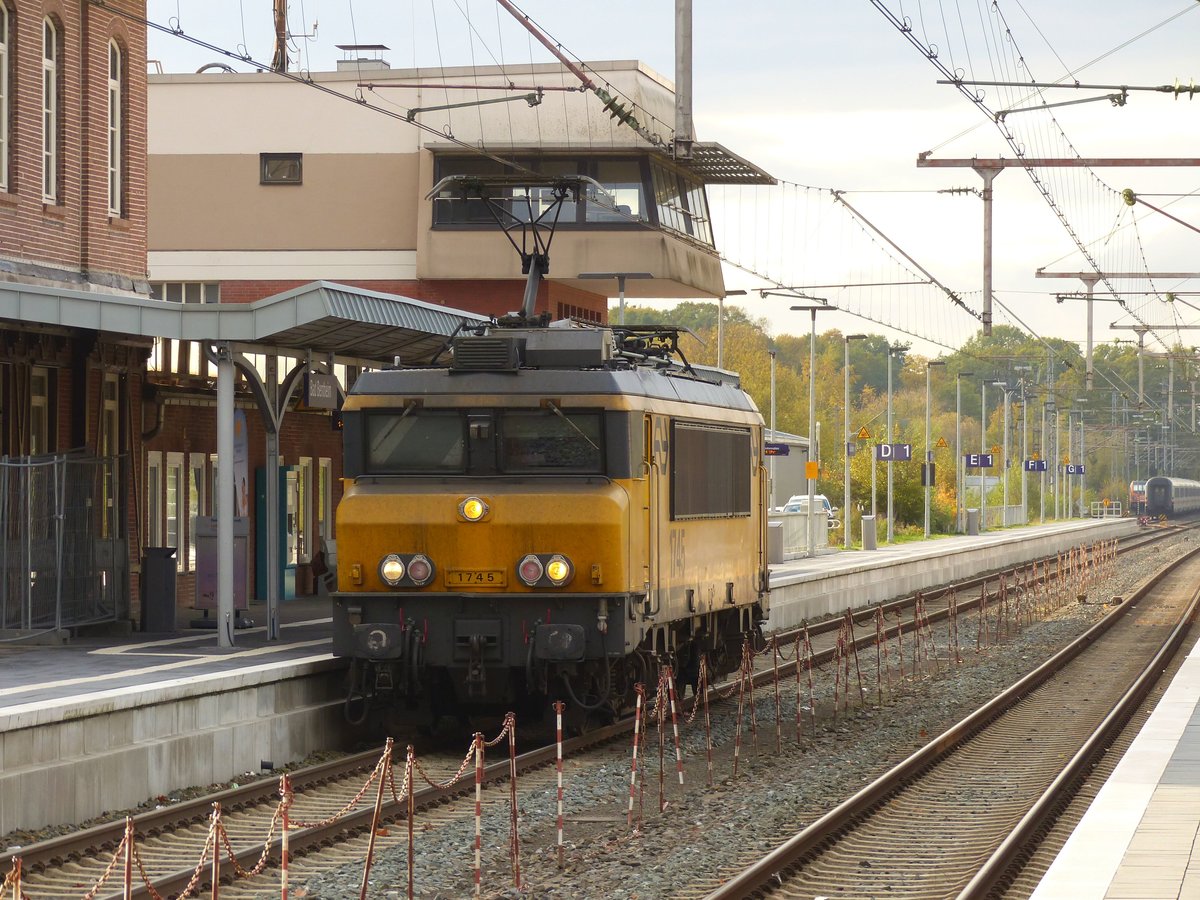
{"x": 972, "y": 521}
{"x": 775, "y": 543}
{"x": 158, "y": 589}
{"x": 868, "y": 533}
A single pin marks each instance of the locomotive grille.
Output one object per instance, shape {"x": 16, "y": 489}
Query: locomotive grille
{"x": 484, "y": 354}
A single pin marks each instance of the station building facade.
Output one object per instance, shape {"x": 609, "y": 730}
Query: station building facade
{"x": 72, "y": 227}
{"x": 259, "y": 185}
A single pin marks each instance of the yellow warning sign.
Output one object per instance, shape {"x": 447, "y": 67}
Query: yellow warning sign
{"x": 995, "y": 448}
{"x": 1036, "y": 455}
{"x": 812, "y": 469}
{"x": 1066, "y": 460}
{"x": 863, "y": 434}
{"x": 941, "y": 444}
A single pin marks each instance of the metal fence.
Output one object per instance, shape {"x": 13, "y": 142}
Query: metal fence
{"x": 63, "y": 559}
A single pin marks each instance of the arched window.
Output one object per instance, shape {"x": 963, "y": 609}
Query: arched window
{"x": 5, "y": 25}
{"x": 115, "y": 129}
{"x": 49, "y": 111}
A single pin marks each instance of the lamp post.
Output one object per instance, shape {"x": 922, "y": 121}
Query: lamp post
{"x": 983, "y": 448}
{"x": 893, "y": 350}
{"x": 621, "y": 277}
{"x": 1003, "y": 385}
{"x": 812, "y": 424}
{"x": 1082, "y": 451}
{"x": 721, "y": 325}
{"x": 846, "y": 421}
{"x": 771, "y": 470}
{"x": 928, "y": 449}
{"x": 1024, "y": 447}
{"x": 959, "y": 467}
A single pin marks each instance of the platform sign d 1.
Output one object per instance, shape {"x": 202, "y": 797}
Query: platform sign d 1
{"x": 893, "y": 452}
{"x": 977, "y": 460}
{"x": 1036, "y": 465}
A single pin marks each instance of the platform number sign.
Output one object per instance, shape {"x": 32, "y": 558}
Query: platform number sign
{"x": 977, "y": 460}
{"x": 893, "y": 452}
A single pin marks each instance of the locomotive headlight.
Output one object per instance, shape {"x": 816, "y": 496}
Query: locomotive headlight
{"x": 558, "y": 570}
{"x": 530, "y": 570}
{"x": 391, "y": 569}
{"x": 420, "y": 570}
{"x": 472, "y": 509}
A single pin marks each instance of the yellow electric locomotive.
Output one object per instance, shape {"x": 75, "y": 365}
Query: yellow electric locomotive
{"x": 549, "y": 515}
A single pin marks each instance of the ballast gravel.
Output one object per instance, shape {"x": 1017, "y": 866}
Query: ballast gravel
{"x": 775, "y": 794}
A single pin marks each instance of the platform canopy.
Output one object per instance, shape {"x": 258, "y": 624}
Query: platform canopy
{"x": 322, "y": 317}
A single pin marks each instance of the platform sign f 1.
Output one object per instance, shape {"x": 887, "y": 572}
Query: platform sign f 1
{"x": 1036, "y": 465}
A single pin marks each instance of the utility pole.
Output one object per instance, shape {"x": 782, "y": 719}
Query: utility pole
{"x": 279, "y": 62}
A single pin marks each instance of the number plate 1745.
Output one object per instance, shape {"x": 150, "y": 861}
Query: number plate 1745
{"x": 476, "y": 578}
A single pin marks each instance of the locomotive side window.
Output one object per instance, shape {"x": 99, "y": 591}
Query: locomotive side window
{"x": 536, "y": 441}
{"x": 416, "y": 442}
{"x": 710, "y": 471}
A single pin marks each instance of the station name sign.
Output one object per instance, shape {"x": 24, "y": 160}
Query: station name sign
{"x": 320, "y": 391}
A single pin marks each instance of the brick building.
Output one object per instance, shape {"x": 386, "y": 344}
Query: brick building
{"x": 72, "y": 235}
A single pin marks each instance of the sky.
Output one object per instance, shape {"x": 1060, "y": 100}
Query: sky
{"x": 832, "y": 95}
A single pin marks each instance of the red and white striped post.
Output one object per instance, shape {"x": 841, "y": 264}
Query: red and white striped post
{"x": 640, "y": 690}
{"x": 18, "y": 894}
{"x": 660, "y": 717}
{"x": 675, "y": 724}
{"x": 559, "y": 706}
{"x": 285, "y": 805}
{"x": 778, "y": 703}
{"x": 737, "y": 732}
{"x": 707, "y": 721}
{"x": 215, "y": 829}
{"x": 410, "y": 772}
{"x": 382, "y": 771}
{"x": 128, "y": 842}
{"x": 478, "y": 812}
{"x": 799, "y": 689}
{"x": 515, "y": 840}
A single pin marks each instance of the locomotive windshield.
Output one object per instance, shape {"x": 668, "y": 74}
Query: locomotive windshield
{"x": 514, "y": 442}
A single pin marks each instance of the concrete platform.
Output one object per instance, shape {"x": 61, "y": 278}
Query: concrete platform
{"x": 832, "y": 581}
{"x": 104, "y": 723}
{"x": 1138, "y": 839}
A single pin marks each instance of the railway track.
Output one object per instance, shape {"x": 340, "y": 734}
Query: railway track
{"x": 171, "y": 839}
{"x": 956, "y": 817}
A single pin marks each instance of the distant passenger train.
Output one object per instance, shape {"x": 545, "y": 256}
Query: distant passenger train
{"x": 1137, "y": 498}
{"x": 1172, "y": 496}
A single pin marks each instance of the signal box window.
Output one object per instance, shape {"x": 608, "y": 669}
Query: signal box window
{"x": 280, "y": 168}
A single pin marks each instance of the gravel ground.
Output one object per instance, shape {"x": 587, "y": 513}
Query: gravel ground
{"x": 704, "y": 829}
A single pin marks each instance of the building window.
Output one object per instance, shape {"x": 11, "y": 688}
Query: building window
{"x": 280, "y": 168}
{"x": 175, "y": 501}
{"x": 186, "y": 291}
{"x": 623, "y": 204}
{"x": 154, "y": 510}
{"x": 325, "y": 498}
{"x": 39, "y": 411}
{"x": 303, "y": 493}
{"x": 195, "y": 501}
{"x": 49, "y": 111}
{"x": 115, "y": 129}
{"x": 4, "y": 93}
{"x": 110, "y": 447}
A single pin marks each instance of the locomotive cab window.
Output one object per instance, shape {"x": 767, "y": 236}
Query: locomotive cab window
{"x": 710, "y": 471}
{"x": 551, "y": 440}
{"x": 414, "y": 443}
